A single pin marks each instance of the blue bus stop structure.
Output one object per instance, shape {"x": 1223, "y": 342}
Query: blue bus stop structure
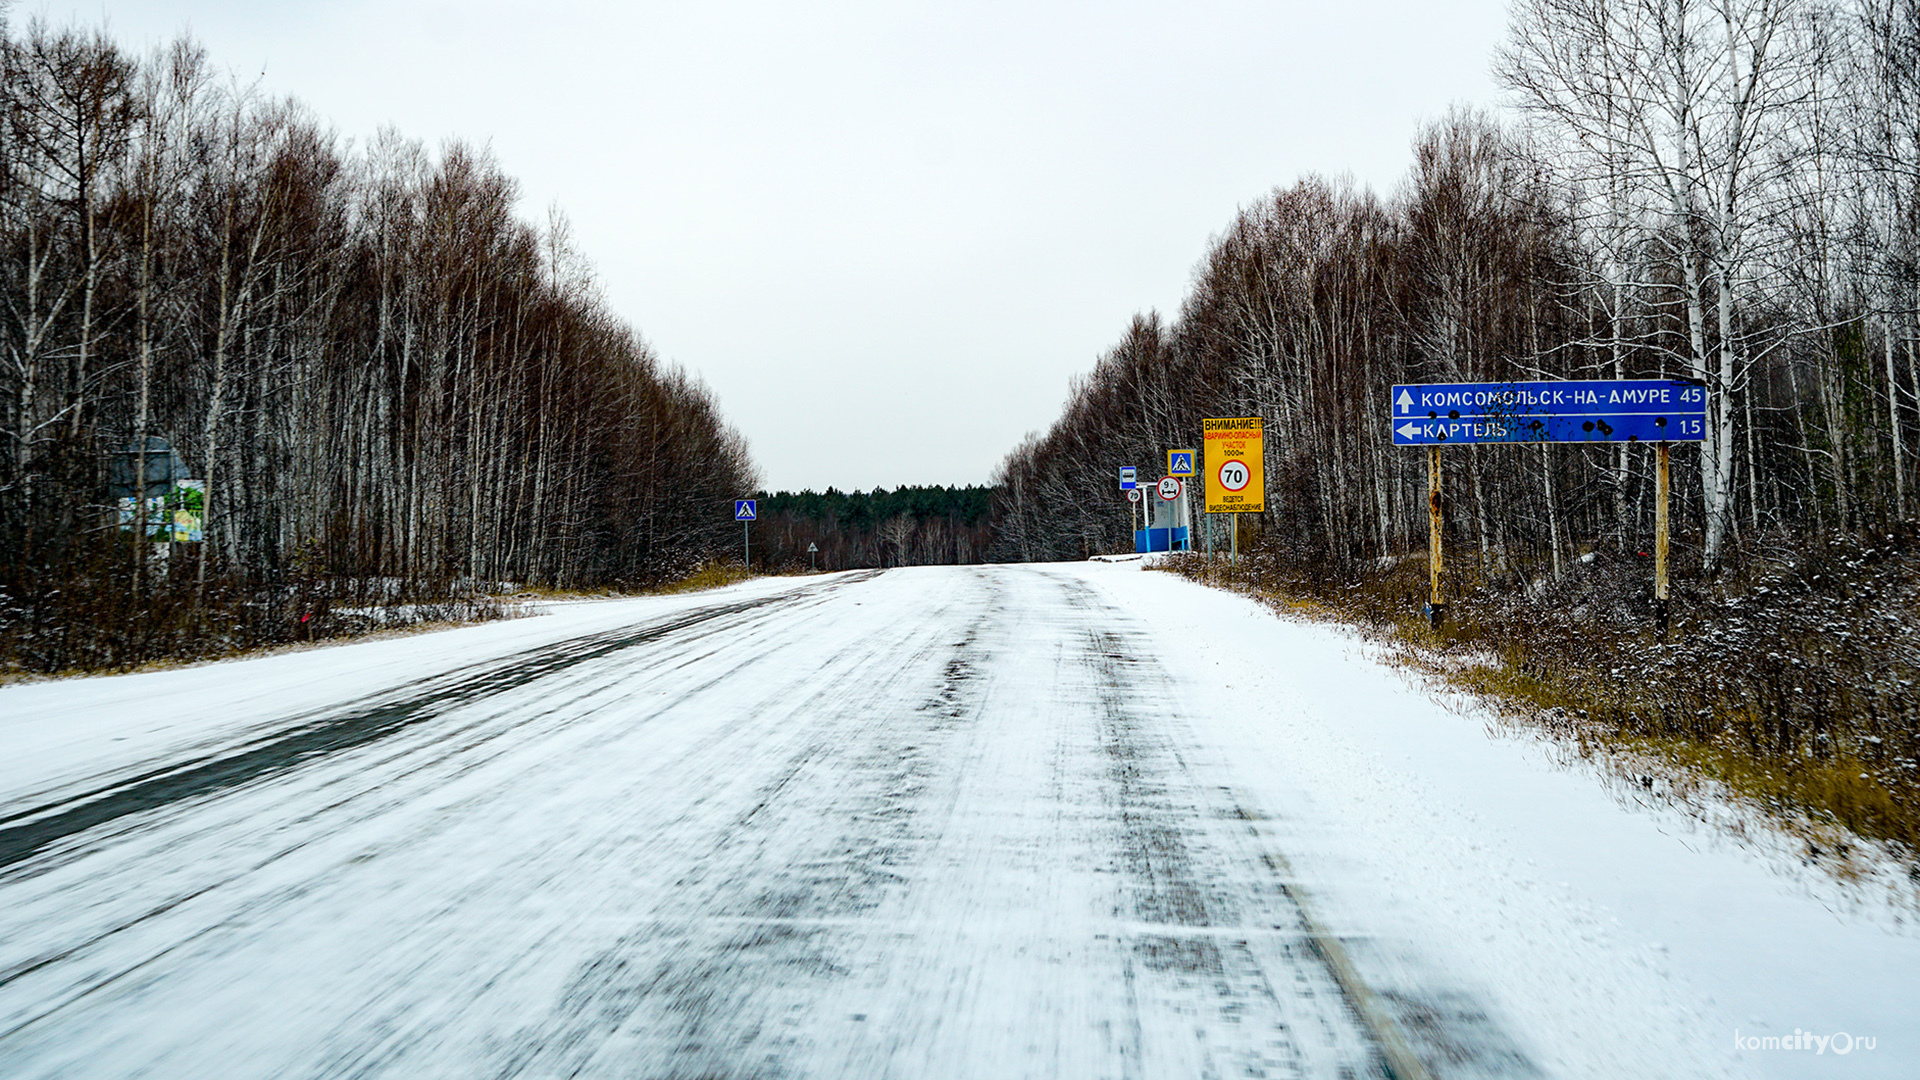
{"x": 1147, "y": 540}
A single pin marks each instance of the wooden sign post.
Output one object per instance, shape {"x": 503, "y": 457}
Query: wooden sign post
{"x": 1566, "y": 411}
{"x": 1660, "y": 544}
{"x": 1436, "y": 557}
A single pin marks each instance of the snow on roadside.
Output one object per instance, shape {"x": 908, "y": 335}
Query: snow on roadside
{"x": 64, "y": 732}
{"x": 1606, "y": 939}
{"x": 1611, "y": 940}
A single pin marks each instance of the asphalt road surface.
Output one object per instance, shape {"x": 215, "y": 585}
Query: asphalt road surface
{"x": 928, "y": 823}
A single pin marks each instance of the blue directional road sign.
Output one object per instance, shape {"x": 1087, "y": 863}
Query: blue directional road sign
{"x": 1625, "y": 410}
{"x": 745, "y": 509}
{"x": 1633, "y": 427}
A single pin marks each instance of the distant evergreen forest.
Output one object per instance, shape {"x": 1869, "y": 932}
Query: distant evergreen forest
{"x": 908, "y": 526}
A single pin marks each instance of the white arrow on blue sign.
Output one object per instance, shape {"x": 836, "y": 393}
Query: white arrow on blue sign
{"x": 1633, "y": 427}
{"x": 745, "y": 509}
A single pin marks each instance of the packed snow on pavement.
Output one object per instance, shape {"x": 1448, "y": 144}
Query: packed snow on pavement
{"x": 1061, "y": 820}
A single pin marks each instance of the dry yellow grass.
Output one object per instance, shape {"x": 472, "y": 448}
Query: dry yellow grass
{"x": 1683, "y": 721}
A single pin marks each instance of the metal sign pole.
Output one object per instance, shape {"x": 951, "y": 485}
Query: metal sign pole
{"x": 1660, "y": 543}
{"x": 1186, "y": 515}
{"x": 1436, "y": 600}
{"x": 744, "y": 512}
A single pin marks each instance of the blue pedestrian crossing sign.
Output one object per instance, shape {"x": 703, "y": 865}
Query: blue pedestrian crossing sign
{"x": 745, "y": 509}
{"x": 1180, "y": 462}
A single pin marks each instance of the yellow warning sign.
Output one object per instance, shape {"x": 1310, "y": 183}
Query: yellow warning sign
{"x": 1236, "y": 483}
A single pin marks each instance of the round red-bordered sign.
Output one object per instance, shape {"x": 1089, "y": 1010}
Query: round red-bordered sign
{"x": 1234, "y": 475}
{"x": 1169, "y": 488}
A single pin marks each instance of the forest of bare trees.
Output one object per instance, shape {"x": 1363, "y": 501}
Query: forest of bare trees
{"x": 389, "y": 389}
{"x": 1726, "y": 190}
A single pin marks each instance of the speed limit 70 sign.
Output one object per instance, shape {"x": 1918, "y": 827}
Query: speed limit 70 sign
{"x": 1233, "y": 456}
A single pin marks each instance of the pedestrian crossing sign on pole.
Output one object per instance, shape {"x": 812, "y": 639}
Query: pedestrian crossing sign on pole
{"x": 745, "y": 509}
{"x": 1180, "y": 462}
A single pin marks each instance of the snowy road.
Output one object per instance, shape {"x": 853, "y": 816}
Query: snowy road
{"x": 927, "y": 823}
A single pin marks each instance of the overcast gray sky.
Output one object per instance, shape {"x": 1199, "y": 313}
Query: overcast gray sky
{"x": 886, "y": 233}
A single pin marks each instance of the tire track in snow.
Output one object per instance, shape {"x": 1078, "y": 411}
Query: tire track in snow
{"x": 1420, "y": 1027}
{"x": 372, "y": 787}
{"x": 1213, "y": 932}
{"x": 26, "y": 833}
{"x": 964, "y": 835}
{"x": 811, "y": 903}
{"x": 704, "y": 990}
